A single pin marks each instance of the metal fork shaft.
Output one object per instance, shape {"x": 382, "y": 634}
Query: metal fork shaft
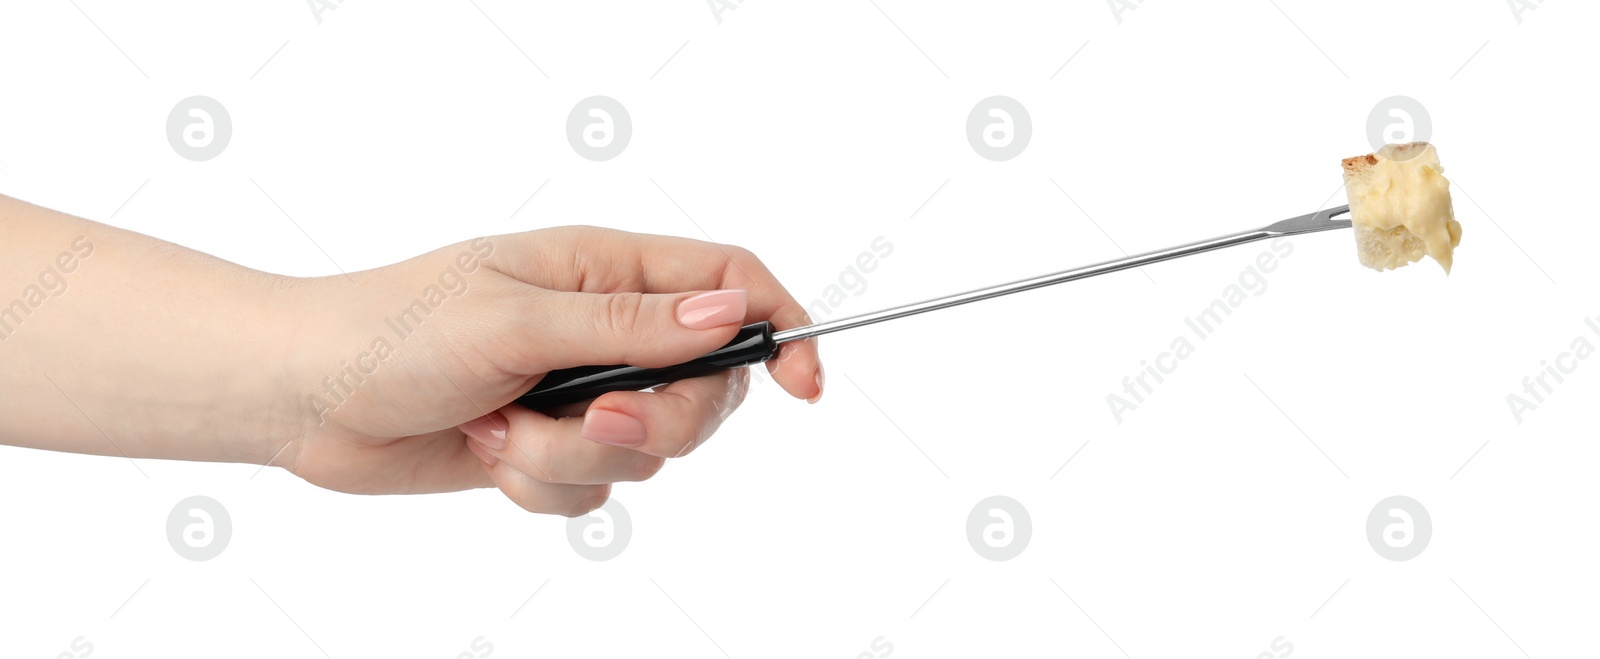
{"x": 1309, "y": 223}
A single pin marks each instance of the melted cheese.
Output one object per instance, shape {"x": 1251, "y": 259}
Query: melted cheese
{"x": 1400, "y": 206}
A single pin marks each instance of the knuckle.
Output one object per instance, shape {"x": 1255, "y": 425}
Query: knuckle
{"x": 740, "y": 255}
{"x": 622, "y": 312}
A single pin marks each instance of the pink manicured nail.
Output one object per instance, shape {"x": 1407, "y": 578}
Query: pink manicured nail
{"x": 489, "y": 429}
{"x": 483, "y": 454}
{"x": 615, "y": 428}
{"x": 820, "y": 379}
{"x": 713, "y": 309}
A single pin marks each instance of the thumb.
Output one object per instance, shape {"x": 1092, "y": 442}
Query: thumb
{"x": 645, "y": 330}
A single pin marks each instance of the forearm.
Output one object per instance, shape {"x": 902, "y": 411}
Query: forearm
{"x": 115, "y": 343}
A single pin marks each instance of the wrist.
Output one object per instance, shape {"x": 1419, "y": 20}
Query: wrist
{"x": 222, "y": 381}
{"x": 284, "y": 327}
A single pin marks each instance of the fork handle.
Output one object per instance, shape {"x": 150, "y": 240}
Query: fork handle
{"x": 752, "y": 345}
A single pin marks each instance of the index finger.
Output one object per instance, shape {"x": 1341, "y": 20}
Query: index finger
{"x": 595, "y": 260}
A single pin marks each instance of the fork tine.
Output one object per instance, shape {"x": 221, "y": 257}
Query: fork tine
{"x": 1311, "y": 222}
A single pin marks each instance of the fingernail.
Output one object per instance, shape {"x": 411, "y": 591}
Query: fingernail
{"x": 483, "y": 454}
{"x": 489, "y": 429}
{"x": 820, "y": 379}
{"x": 609, "y": 427}
{"x": 713, "y": 309}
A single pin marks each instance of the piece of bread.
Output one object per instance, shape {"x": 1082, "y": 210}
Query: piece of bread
{"x": 1400, "y": 206}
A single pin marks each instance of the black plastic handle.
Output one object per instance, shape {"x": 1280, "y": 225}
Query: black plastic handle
{"x": 752, "y": 345}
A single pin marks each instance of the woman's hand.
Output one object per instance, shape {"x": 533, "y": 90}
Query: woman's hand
{"x": 393, "y": 380}
{"x": 408, "y": 388}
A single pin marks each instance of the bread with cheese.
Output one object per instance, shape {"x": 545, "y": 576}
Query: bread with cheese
{"x": 1400, "y": 207}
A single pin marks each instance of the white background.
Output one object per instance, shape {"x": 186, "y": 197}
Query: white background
{"x": 1208, "y": 522}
